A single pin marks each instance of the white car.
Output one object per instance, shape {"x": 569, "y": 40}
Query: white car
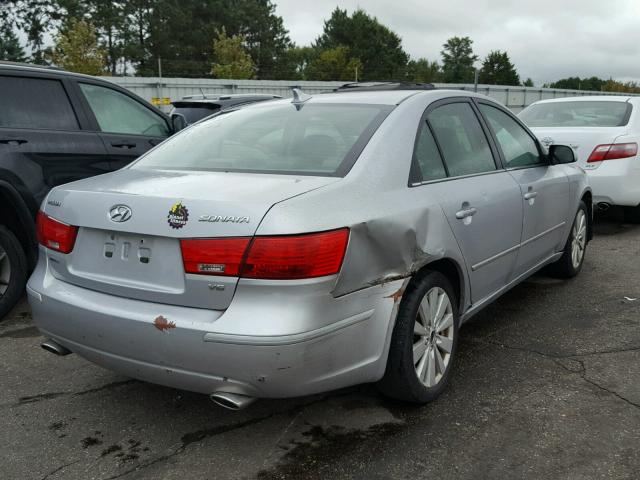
{"x": 604, "y": 132}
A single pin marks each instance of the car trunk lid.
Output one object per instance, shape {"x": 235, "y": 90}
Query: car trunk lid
{"x": 140, "y": 257}
{"x": 583, "y": 140}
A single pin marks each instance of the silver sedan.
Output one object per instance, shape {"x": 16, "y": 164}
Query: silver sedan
{"x": 294, "y": 247}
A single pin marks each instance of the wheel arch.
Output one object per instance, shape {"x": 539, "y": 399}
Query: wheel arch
{"x": 450, "y": 269}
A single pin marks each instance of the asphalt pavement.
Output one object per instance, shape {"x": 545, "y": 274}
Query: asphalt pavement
{"x": 547, "y": 385}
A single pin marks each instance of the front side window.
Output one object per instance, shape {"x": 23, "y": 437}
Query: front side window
{"x": 518, "y": 148}
{"x": 35, "y": 103}
{"x": 117, "y": 113}
{"x": 280, "y": 138}
{"x": 463, "y": 144}
{"x": 577, "y": 114}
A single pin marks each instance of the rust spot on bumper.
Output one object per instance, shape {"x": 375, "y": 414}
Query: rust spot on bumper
{"x": 162, "y": 324}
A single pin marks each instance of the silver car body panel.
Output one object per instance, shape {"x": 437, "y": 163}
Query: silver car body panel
{"x": 284, "y": 338}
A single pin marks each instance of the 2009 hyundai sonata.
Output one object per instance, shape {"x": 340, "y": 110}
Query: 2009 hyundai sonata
{"x": 294, "y": 247}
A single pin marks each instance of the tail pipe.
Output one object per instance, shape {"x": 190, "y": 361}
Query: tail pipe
{"x": 54, "y": 347}
{"x": 604, "y": 206}
{"x": 231, "y": 401}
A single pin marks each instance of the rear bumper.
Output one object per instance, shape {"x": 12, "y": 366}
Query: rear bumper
{"x": 616, "y": 182}
{"x": 195, "y": 349}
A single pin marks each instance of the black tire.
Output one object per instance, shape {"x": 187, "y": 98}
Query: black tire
{"x": 17, "y": 277}
{"x": 564, "y": 267}
{"x": 401, "y": 380}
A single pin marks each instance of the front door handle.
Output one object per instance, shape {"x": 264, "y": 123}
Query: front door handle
{"x": 465, "y": 213}
{"x": 123, "y": 144}
{"x": 530, "y": 195}
{"x": 12, "y": 141}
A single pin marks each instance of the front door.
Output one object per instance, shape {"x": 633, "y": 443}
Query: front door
{"x": 127, "y": 127}
{"x": 544, "y": 189}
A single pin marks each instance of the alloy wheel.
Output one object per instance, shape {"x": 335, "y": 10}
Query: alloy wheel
{"x": 433, "y": 337}
{"x": 579, "y": 241}
{"x": 5, "y": 271}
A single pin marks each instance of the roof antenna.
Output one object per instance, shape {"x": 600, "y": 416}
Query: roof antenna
{"x": 299, "y": 97}
{"x": 202, "y": 92}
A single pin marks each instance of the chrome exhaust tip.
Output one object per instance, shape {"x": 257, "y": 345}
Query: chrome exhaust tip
{"x": 604, "y": 206}
{"x": 54, "y": 347}
{"x": 231, "y": 401}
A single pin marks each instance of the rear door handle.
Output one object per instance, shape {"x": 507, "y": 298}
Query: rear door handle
{"x": 123, "y": 144}
{"x": 530, "y": 195}
{"x": 12, "y": 141}
{"x": 467, "y": 212}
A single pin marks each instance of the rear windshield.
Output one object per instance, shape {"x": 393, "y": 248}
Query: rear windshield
{"x": 312, "y": 139}
{"x": 193, "y": 114}
{"x": 577, "y": 114}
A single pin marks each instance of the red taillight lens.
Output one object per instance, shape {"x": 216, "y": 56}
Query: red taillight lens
{"x": 613, "y": 152}
{"x": 286, "y": 257}
{"x": 55, "y": 235}
{"x": 296, "y": 256}
{"x": 217, "y": 256}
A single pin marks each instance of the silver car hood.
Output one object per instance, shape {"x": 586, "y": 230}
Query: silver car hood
{"x": 215, "y": 203}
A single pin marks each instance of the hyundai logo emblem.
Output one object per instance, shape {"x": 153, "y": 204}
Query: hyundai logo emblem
{"x": 120, "y": 213}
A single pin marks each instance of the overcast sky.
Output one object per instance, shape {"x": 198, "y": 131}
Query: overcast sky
{"x": 546, "y": 39}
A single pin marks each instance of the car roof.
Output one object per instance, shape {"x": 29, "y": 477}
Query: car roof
{"x": 589, "y": 98}
{"x": 381, "y": 97}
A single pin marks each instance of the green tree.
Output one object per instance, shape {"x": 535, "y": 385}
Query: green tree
{"x": 294, "y": 63}
{"x": 457, "y": 60}
{"x": 378, "y": 48}
{"x": 423, "y": 71}
{"x": 232, "y": 61}
{"x": 334, "y": 64}
{"x": 527, "y": 83}
{"x": 77, "y": 50}
{"x": 10, "y": 48}
{"x": 577, "y": 83}
{"x": 497, "y": 69}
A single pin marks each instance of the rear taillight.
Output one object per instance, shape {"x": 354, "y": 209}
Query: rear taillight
{"x": 613, "y": 152}
{"x": 216, "y": 256}
{"x": 283, "y": 257}
{"x": 296, "y": 256}
{"x": 54, "y": 234}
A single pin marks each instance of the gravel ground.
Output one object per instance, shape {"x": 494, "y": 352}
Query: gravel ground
{"x": 547, "y": 385}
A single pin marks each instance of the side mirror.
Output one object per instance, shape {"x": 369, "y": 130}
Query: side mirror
{"x": 561, "y": 154}
{"x": 178, "y": 122}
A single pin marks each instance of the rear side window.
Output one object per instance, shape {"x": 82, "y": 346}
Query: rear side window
{"x": 577, "y": 114}
{"x": 463, "y": 144}
{"x": 35, "y": 103}
{"x": 117, "y": 113}
{"x": 428, "y": 157}
{"x": 517, "y": 146}
{"x": 315, "y": 139}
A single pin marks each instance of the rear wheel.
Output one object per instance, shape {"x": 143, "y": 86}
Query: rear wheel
{"x": 424, "y": 341}
{"x": 13, "y": 270}
{"x": 572, "y": 258}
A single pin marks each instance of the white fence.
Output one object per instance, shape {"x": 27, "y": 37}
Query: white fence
{"x": 170, "y": 89}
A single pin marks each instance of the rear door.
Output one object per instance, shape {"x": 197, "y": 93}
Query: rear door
{"x": 481, "y": 201}
{"x": 126, "y": 125}
{"x": 545, "y": 188}
{"x": 41, "y": 136}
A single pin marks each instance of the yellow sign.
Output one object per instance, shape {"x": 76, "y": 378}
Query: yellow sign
{"x": 161, "y": 101}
